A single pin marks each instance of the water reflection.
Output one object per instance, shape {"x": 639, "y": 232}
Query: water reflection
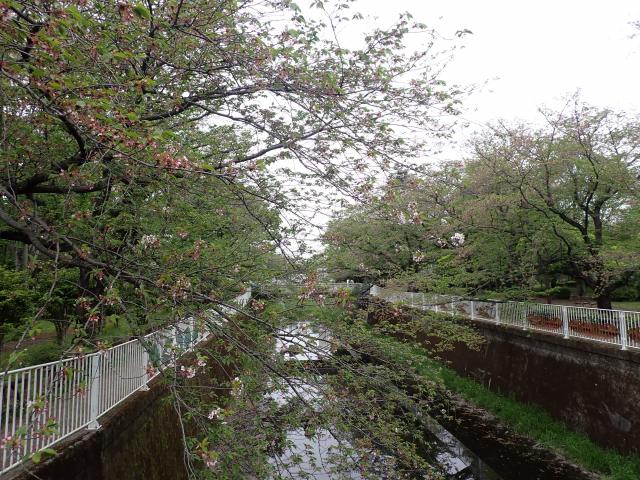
{"x": 321, "y": 455}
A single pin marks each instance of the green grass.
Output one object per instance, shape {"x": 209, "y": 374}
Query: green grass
{"x": 536, "y": 423}
{"x": 48, "y": 350}
{"x": 45, "y": 327}
{"x": 627, "y": 306}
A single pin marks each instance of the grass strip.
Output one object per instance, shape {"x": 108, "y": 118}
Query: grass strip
{"x": 534, "y": 422}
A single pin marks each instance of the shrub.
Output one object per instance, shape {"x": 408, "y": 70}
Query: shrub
{"x": 626, "y": 293}
{"x": 17, "y": 297}
{"x": 560, "y": 292}
{"x": 43, "y": 353}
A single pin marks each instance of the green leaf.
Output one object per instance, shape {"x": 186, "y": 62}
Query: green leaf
{"x": 75, "y": 13}
{"x": 36, "y": 457}
{"x": 141, "y": 11}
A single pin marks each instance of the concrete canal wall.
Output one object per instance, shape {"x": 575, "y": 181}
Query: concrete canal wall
{"x": 141, "y": 438}
{"x": 592, "y": 387}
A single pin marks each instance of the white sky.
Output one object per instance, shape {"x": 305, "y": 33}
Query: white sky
{"x": 534, "y": 52}
{"x": 529, "y": 53}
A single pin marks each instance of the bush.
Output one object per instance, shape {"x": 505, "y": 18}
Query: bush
{"x": 17, "y": 299}
{"x": 512, "y": 293}
{"x": 43, "y": 353}
{"x": 626, "y": 293}
{"x": 559, "y": 292}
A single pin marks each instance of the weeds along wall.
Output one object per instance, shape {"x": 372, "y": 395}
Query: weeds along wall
{"x": 592, "y": 387}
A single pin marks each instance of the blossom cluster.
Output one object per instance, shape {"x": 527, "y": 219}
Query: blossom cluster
{"x": 237, "y": 387}
{"x": 310, "y": 291}
{"x": 410, "y": 216}
{"x": 150, "y": 241}
{"x": 457, "y": 239}
{"x": 215, "y": 414}
{"x": 209, "y": 459}
{"x": 190, "y": 371}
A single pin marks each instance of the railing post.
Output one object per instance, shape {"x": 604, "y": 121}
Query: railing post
{"x": 623, "y": 330}
{"x": 525, "y": 311}
{"x": 94, "y": 391}
{"x": 145, "y": 374}
{"x": 565, "y": 323}
{"x": 497, "y": 313}
{"x": 473, "y": 310}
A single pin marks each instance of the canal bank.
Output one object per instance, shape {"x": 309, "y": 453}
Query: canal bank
{"x": 534, "y": 426}
{"x": 143, "y": 437}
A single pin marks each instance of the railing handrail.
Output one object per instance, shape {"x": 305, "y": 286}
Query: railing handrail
{"x": 524, "y": 302}
{"x": 95, "y": 395}
{"x": 612, "y": 326}
{"x": 48, "y": 364}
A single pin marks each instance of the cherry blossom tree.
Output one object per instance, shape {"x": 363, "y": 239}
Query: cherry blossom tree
{"x": 150, "y": 150}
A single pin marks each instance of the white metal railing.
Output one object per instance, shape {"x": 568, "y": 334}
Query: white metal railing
{"x": 43, "y": 404}
{"x": 616, "y": 327}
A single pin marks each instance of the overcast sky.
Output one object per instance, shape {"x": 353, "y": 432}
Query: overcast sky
{"x": 530, "y": 53}
{"x": 534, "y": 52}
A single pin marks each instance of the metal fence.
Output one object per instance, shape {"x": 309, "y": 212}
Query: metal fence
{"x": 616, "y": 327}
{"x": 43, "y": 404}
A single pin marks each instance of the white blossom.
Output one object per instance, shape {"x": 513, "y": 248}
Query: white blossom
{"x": 457, "y": 239}
{"x": 187, "y": 372}
{"x": 215, "y": 413}
{"x": 150, "y": 241}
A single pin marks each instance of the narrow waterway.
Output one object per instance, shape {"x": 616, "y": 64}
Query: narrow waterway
{"x": 320, "y": 454}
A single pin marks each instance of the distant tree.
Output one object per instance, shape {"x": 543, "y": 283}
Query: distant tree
{"x": 578, "y": 177}
{"x": 396, "y": 235}
{"x": 17, "y": 301}
{"x": 537, "y": 206}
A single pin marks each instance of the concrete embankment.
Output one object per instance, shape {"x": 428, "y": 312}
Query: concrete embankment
{"x": 592, "y": 387}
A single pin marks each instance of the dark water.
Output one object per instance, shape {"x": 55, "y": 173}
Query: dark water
{"x": 317, "y": 456}
{"x": 456, "y": 459}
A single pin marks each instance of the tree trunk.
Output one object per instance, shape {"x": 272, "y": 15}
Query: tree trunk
{"x": 61, "y": 327}
{"x": 604, "y": 301}
{"x": 25, "y": 256}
